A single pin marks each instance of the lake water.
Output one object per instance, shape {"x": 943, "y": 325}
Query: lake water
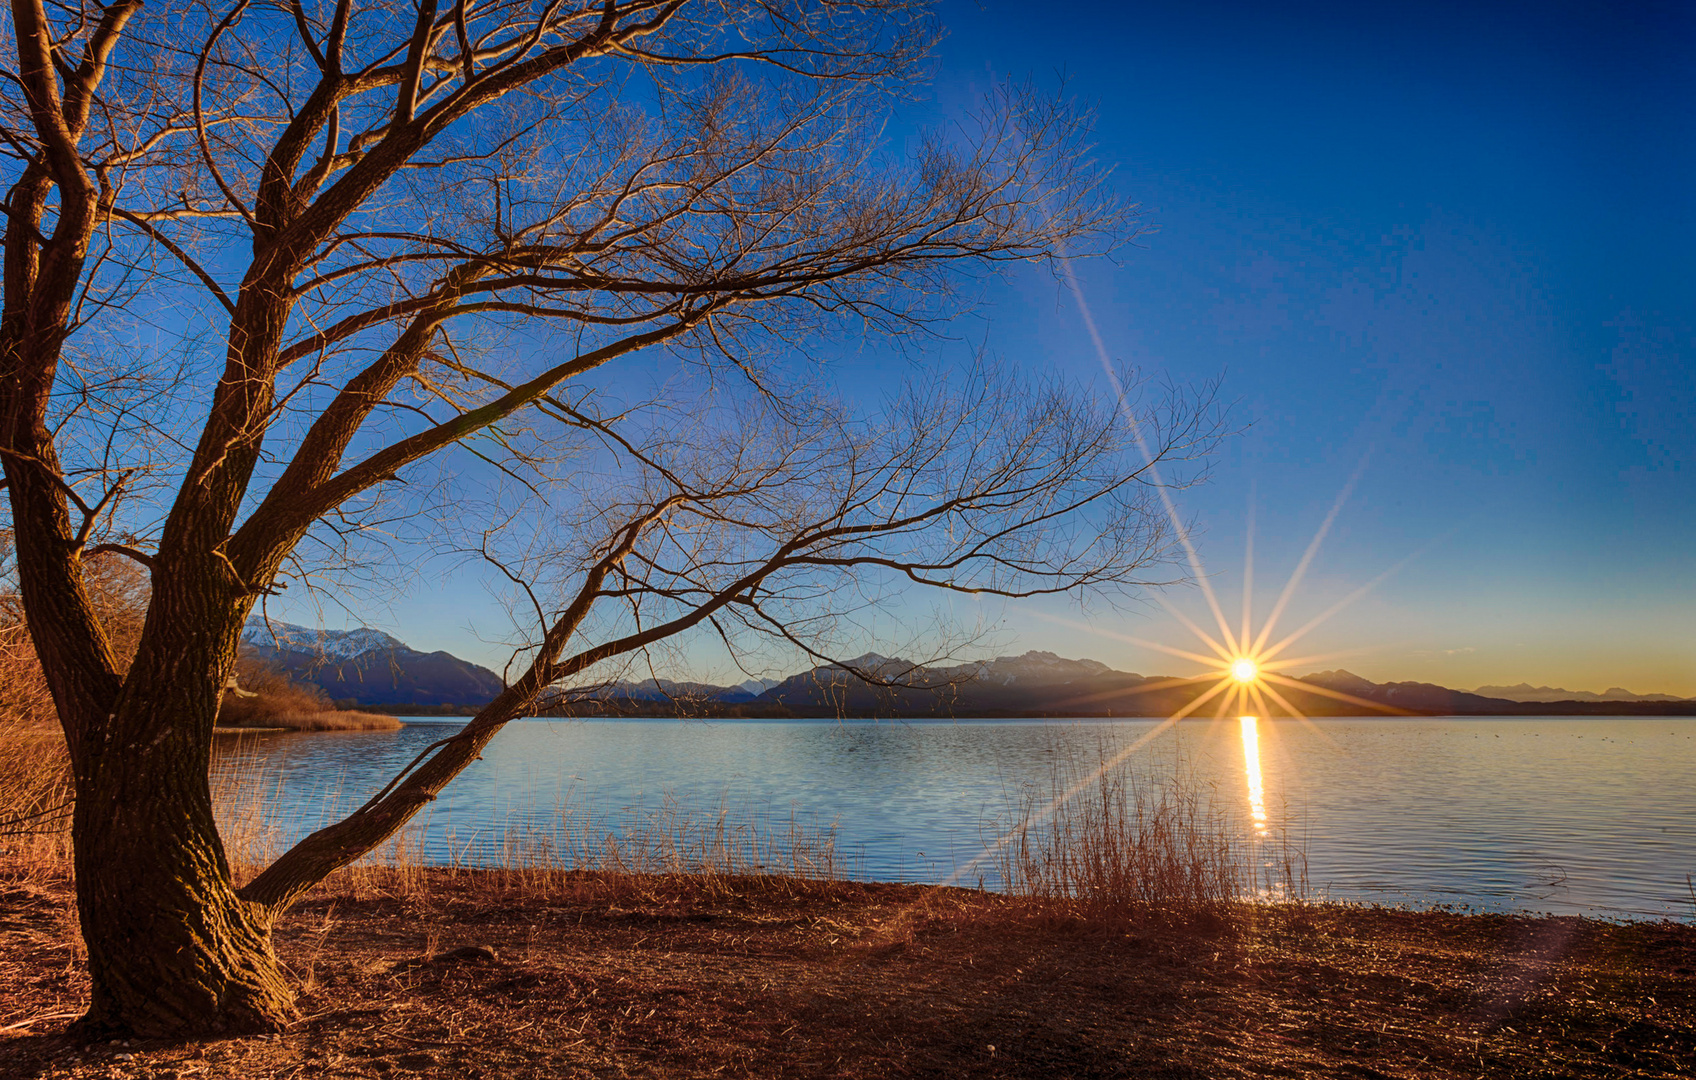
{"x": 1569, "y": 815}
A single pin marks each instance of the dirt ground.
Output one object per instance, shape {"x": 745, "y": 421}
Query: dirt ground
{"x": 486, "y": 975}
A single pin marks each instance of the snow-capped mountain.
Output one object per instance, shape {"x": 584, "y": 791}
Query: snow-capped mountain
{"x": 366, "y": 667}
{"x": 667, "y": 690}
{"x": 668, "y": 694}
{"x": 1033, "y": 667}
{"x": 330, "y": 644}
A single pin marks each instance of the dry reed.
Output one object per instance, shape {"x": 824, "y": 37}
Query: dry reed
{"x": 324, "y": 720}
{"x": 573, "y": 847}
{"x": 35, "y": 796}
{"x": 278, "y": 701}
{"x": 1111, "y": 841}
{"x": 721, "y": 842}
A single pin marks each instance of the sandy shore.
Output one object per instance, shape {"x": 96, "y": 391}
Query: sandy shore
{"x": 575, "y": 975}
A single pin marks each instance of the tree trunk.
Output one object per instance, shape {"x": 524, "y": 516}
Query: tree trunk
{"x": 172, "y": 951}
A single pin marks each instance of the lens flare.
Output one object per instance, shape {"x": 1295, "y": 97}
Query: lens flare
{"x": 1245, "y": 670}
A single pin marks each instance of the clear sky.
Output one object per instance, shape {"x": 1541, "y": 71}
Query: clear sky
{"x": 1459, "y": 237}
{"x": 1454, "y": 241}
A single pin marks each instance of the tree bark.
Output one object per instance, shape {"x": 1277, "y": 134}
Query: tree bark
{"x": 173, "y": 951}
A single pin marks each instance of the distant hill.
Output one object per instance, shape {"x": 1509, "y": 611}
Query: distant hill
{"x": 683, "y": 693}
{"x": 367, "y": 668}
{"x": 1036, "y": 683}
{"x": 1043, "y": 684}
{"x": 1527, "y": 692}
{"x": 1032, "y": 684}
{"x": 1431, "y": 699}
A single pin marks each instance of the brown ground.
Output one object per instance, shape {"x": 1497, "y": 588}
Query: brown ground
{"x": 686, "y": 978}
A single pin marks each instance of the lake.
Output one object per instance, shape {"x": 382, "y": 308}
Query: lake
{"x": 1591, "y": 815}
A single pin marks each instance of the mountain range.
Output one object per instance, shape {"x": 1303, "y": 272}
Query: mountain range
{"x": 366, "y": 668}
{"x": 1527, "y": 692}
{"x": 1043, "y": 684}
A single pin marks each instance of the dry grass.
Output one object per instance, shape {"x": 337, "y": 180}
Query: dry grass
{"x": 324, "y": 720}
{"x": 280, "y": 702}
{"x": 1106, "y": 841}
{"x": 481, "y": 973}
{"x": 35, "y": 795}
{"x": 670, "y": 839}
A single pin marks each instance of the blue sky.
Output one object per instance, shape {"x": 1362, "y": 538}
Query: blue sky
{"x": 1457, "y": 242}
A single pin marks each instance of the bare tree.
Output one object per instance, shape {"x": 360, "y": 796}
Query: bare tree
{"x": 756, "y": 524}
{"x": 424, "y": 231}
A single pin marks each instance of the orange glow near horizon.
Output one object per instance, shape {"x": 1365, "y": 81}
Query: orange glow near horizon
{"x": 1245, "y": 670}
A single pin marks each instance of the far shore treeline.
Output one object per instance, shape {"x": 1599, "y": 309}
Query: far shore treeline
{"x": 371, "y": 672}
{"x": 834, "y": 693}
{"x": 779, "y": 712}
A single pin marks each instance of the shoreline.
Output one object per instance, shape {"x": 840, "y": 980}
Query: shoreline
{"x": 589, "y": 974}
{"x": 324, "y": 720}
{"x": 1316, "y": 708}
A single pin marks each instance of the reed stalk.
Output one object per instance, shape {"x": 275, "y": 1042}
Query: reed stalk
{"x": 35, "y": 797}
{"x": 1111, "y": 840}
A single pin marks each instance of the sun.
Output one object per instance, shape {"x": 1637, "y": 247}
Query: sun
{"x": 1248, "y": 667}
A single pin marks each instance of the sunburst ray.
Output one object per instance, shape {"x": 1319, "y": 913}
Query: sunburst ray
{"x": 1280, "y": 663}
{"x": 1307, "y": 556}
{"x": 1149, "y": 687}
{"x": 1152, "y": 465}
{"x": 1305, "y": 720}
{"x": 1249, "y": 667}
{"x": 1314, "y": 622}
{"x": 1225, "y": 651}
{"x": 1043, "y": 816}
{"x": 1248, "y": 571}
{"x": 1326, "y": 691}
{"x": 1127, "y": 638}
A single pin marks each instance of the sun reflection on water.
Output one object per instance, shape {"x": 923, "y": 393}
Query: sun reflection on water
{"x": 1251, "y": 764}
